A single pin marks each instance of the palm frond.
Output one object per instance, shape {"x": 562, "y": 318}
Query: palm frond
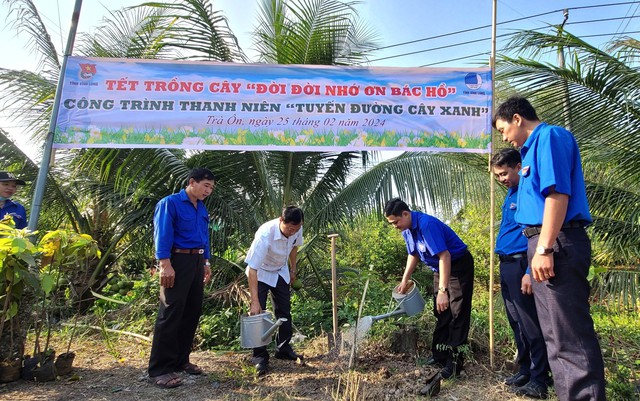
{"x": 195, "y": 28}
{"x": 324, "y": 32}
{"x": 128, "y": 33}
{"x": 25, "y": 18}
{"x": 27, "y": 98}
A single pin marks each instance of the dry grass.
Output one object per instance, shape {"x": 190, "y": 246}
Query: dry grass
{"x": 101, "y": 373}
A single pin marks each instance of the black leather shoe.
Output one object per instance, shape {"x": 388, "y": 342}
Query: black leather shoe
{"x": 262, "y": 368}
{"x": 434, "y": 362}
{"x": 517, "y": 380}
{"x": 451, "y": 369}
{"x": 287, "y": 354}
{"x": 532, "y": 390}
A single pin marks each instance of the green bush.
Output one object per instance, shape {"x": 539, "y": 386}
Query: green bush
{"x": 472, "y": 226}
{"x": 219, "y": 328}
{"x": 375, "y": 242}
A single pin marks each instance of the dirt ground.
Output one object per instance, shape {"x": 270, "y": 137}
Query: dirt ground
{"x": 115, "y": 370}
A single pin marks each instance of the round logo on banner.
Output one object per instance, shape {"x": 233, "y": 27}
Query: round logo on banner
{"x": 473, "y": 81}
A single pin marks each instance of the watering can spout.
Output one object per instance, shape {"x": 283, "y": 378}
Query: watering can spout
{"x": 267, "y": 334}
{"x": 398, "y": 311}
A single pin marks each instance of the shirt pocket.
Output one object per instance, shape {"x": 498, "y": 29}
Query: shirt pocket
{"x": 186, "y": 223}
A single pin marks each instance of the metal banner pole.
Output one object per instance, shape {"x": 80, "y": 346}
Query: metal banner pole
{"x": 492, "y": 184}
{"x": 41, "y": 181}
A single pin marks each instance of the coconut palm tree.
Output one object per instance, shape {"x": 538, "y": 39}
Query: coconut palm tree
{"x": 114, "y": 190}
{"x": 82, "y": 198}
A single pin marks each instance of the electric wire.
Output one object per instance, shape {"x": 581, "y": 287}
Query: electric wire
{"x": 489, "y": 52}
{"x": 489, "y": 38}
{"x": 500, "y": 23}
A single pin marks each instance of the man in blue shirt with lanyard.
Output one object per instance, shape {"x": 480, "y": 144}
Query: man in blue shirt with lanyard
{"x": 511, "y": 246}
{"x": 552, "y": 205}
{"x": 8, "y": 187}
{"x": 431, "y": 241}
{"x": 181, "y": 236}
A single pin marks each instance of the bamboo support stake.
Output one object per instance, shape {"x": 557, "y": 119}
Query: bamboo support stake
{"x": 334, "y": 286}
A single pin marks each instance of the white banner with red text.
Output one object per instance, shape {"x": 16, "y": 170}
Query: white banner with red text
{"x": 118, "y": 103}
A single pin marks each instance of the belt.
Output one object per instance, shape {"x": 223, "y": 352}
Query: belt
{"x": 535, "y": 230}
{"x": 513, "y": 257}
{"x": 195, "y": 251}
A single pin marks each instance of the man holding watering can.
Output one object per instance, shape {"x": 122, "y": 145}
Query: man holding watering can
{"x": 275, "y": 243}
{"x": 431, "y": 241}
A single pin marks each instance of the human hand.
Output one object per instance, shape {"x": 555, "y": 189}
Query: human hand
{"x": 442, "y": 301}
{"x": 255, "y": 309}
{"x": 525, "y": 285}
{"x": 542, "y": 267}
{"x": 403, "y": 287}
{"x": 207, "y": 273}
{"x": 167, "y": 274}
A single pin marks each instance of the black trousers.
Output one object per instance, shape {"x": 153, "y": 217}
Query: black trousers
{"x": 178, "y": 315}
{"x": 452, "y": 325}
{"x": 523, "y": 318}
{"x": 281, "y": 298}
{"x": 563, "y": 308}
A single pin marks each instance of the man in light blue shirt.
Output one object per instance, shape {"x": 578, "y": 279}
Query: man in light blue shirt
{"x": 271, "y": 267}
{"x": 181, "y": 236}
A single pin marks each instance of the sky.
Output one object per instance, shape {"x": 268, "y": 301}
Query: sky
{"x": 411, "y": 33}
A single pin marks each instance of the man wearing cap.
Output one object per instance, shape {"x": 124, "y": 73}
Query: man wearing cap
{"x": 515, "y": 285}
{"x": 552, "y": 205}
{"x": 181, "y": 237}
{"x": 8, "y": 187}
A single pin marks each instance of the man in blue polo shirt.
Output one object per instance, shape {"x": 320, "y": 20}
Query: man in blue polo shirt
{"x": 8, "y": 187}
{"x": 431, "y": 241}
{"x": 552, "y": 205}
{"x": 515, "y": 284}
{"x": 181, "y": 236}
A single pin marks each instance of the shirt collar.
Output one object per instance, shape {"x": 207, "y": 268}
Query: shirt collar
{"x": 183, "y": 196}
{"x": 277, "y": 234}
{"x": 532, "y": 137}
{"x": 414, "y": 220}
{"x": 8, "y": 202}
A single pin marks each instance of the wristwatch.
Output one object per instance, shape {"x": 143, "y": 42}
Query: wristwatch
{"x": 442, "y": 289}
{"x": 541, "y": 250}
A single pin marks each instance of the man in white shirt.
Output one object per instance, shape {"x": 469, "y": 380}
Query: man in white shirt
{"x": 275, "y": 243}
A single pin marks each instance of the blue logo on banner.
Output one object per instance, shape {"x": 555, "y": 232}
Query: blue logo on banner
{"x": 473, "y": 81}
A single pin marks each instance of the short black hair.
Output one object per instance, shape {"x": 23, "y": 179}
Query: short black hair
{"x": 292, "y": 215}
{"x": 395, "y": 207}
{"x": 199, "y": 174}
{"x": 507, "y": 156}
{"x": 514, "y": 105}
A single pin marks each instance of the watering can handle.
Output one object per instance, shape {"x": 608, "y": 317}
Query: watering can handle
{"x": 267, "y": 334}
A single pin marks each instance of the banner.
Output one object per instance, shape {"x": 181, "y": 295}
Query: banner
{"x": 117, "y": 103}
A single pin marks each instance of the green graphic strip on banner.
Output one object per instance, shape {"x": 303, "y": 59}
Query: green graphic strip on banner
{"x": 142, "y": 103}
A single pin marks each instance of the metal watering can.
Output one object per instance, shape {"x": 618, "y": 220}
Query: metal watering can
{"x": 410, "y": 304}
{"x": 256, "y": 330}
